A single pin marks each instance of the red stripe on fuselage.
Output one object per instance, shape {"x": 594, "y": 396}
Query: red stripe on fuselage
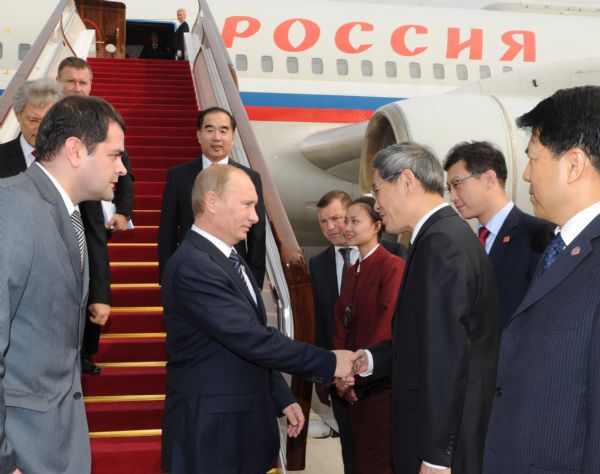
{"x": 289, "y": 114}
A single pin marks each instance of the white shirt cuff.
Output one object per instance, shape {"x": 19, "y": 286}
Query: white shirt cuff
{"x": 369, "y": 370}
{"x": 434, "y": 466}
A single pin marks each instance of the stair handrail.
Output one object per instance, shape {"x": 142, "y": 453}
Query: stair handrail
{"x": 291, "y": 262}
{"x": 33, "y": 55}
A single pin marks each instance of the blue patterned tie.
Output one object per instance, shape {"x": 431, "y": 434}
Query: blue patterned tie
{"x": 553, "y": 251}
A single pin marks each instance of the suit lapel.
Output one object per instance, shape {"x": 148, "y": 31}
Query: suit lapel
{"x": 220, "y": 259}
{"x": 568, "y": 260}
{"x": 62, "y": 220}
{"x": 443, "y": 213}
{"x": 504, "y": 236}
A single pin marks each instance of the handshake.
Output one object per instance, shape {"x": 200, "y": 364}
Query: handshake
{"x": 350, "y": 363}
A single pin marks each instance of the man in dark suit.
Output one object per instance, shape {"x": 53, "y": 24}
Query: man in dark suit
{"x": 224, "y": 391}
{"x": 216, "y": 128}
{"x": 514, "y": 241}
{"x": 75, "y": 75}
{"x": 326, "y": 271}
{"x": 155, "y": 49}
{"x": 178, "y": 41}
{"x": 446, "y": 328}
{"x": 30, "y": 104}
{"x": 545, "y": 417}
{"x": 44, "y": 285}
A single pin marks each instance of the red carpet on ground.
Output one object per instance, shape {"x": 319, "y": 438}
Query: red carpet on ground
{"x": 124, "y": 403}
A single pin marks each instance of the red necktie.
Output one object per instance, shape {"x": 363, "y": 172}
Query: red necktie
{"x": 482, "y": 235}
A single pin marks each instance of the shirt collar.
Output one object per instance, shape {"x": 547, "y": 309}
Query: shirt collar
{"x": 26, "y": 147}
{"x": 578, "y": 222}
{"x": 63, "y": 194}
{"x": 497, "y": 221}
{"x": 424, "y": 219}
{"x": 206, "y": 162}
{"x": 222, "y": 246}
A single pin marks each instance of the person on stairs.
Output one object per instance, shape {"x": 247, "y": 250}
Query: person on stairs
{"x": 75, "y": 75}
{"x": 30, "y": 104}
{"x": 155, "y": 49}
{"x": 44, "y": 286}
{"x": 216, "y": 127}
{"x": 178, "y": 42}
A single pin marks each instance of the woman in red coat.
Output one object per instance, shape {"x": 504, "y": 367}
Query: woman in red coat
{"x": 363, "y": 316}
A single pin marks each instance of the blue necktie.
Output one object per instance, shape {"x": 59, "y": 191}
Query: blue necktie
{"x": 553, "y": 251}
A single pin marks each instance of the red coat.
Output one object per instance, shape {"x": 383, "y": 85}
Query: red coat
{"x": 372, "y": 294}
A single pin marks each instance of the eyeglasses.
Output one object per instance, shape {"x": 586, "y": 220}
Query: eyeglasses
{"x": 456, "y": 181}
{"x": 375, "y": 187}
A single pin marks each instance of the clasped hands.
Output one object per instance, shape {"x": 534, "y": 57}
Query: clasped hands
{"x": 348, "y": 364}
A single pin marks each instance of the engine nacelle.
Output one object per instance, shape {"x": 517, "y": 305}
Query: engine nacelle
{"x": 441, "y": 122}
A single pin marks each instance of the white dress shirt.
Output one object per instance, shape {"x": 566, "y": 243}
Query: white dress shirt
{"x": 206, "y": 162}
{"x": 27, "y": 151}
{"x": 575, "y": 225}
{"x": 226, "y": 250}
{"x": 339, "y": 262}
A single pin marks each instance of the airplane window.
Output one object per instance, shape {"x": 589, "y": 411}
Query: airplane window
{"x": 0, "y": 50}
{"x": 414, "y": 70}
{"x": 317, "y": 66}
{"x": 241, "y": 62}
{"x": 506, "y": 69}
{"x": 462, "y": 74}
{"x": 390, "y": 69}
{"x": 438, "y": 71}
{"x": 23, "y": 50}
{"x": 484, "y": 71}
{"x": 342, "y": 67}
{"x": 267, "y": 63}
{"x": 292, "y": 65}
{"x": 366, "y": 68}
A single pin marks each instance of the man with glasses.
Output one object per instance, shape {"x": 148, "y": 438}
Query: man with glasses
{"x": 446, "y": 328}
{"x": 514, "y": 241}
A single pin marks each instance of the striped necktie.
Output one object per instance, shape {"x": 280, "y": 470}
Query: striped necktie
{"x": 234, "y": 258}
{"x": 78, "y": 226}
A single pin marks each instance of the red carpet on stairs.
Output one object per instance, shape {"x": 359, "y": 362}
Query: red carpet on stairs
{"x": 124, "y": 403}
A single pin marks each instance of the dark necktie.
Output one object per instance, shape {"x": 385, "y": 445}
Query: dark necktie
{"x": 482, "y": 235}
{"x": 234, "y": 258}
{"x": 35, "y": 154}
{"x": 78, "y": 226}
{"x": 345, "y": 252}
{"x": 553, "y": 251}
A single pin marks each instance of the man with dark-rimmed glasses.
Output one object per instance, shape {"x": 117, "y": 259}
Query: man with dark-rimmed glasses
{"x": 514, "y": 241}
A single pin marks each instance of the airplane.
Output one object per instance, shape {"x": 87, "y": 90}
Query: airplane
{"x": 312, "y": 74}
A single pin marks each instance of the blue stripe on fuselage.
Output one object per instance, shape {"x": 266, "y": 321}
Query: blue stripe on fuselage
{"x": 314, "y": 101}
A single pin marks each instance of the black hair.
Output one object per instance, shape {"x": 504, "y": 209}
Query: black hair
{"x": 479, "y": 157}
{"x": 212, "y": 110}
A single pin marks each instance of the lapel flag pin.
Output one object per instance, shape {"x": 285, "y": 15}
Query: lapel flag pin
{"x": 575, "y": 251}
{"x": 506, "y": 239}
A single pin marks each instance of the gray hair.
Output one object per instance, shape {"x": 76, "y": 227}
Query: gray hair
{"x": 40, "y": 93}
{"x": 419, "y": 159}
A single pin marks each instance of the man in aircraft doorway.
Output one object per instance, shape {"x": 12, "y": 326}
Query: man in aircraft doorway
{"x": 216, "y": 128}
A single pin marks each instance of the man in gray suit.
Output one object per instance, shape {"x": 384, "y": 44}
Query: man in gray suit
{"x": 44, "y": 285}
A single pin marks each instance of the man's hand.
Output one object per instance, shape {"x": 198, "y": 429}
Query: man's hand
{"x": 323, "y": 394}
{"x": 361, "y": 361}
{"x": 295, "y": 419}
{"x": 344, "y": 365}
{"x": 117, "y": 223}
{"x": 432, "y": 470}
{"x": 99, "y": 313}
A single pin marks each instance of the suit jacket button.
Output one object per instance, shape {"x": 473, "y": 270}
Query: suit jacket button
{"x": 498, "y": 391}
{"x": 448, "y": 450}
{"x": 394, "y": 356}
{"x": 77, "y": 395}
